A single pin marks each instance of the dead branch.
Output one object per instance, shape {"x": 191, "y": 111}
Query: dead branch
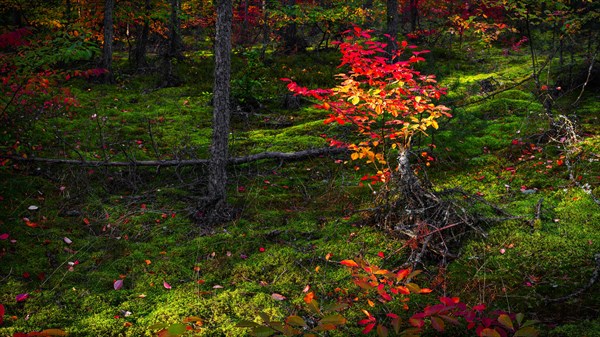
{"x": 538, "y": 213}
{"x": 190, "y": 162}
{"x": 590, "y": 283}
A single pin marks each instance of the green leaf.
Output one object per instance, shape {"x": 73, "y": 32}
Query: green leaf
{"x": 296, "y": 321}
{"x": 335, "y": 319}
{"x": 313, "y": 307}
{"x": 527, "y": 331}
{"x": 335, "y": 307}
{"x": 437, "y": 323}
{"x": 246, "y": 324}
{"x": 264, "y": 317}
{"x": 158, "y": 326}
{"x": 262, "y": 331}
{"x": 519, "y": 318}
{"x": 396, "y": 324}
{"x": 529, "y": 323}
{"x": 325, "y": 327}
{"x": 413, "y": 287}
{"x": 505, "y": 320}
{"x": 382, "y": 331}
{"x": 487, "y": 332}
{"x": 176, "y": 329}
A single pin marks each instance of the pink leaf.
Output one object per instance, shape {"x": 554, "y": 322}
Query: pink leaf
{"x": 166, "y": 285}
{"x": 22, "y": 297}
{"x": 118, "y": 284}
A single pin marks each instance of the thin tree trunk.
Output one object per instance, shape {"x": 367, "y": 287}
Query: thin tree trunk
{"x": 265, "y": 31}
{"x": 217, "y": 181}
{"x": 107, "y": 48}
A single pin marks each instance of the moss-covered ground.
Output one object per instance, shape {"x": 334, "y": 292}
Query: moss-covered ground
{"x": 92, "y": 226}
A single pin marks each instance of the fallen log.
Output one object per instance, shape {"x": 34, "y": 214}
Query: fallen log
{"x": 187, "y": 162}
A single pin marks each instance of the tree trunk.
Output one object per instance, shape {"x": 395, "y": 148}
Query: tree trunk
{"x": 139, "y": 53}
{"x": 175, "y": 43}
{"x": 393, "y": 22}
{"x": 291, "y": 41}
{"x": 217, "y": 180}
{"x": 265, "y": 31}
{"x": 414, "y": 15}
{"x": 174, "y": 48}
{"x": 107, "y": 48}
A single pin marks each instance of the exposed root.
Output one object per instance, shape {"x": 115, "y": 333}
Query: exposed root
{"x": 433, "y": 223}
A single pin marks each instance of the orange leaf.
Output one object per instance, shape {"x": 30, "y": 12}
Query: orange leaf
{"x": 309, "y": 297}
{"x": 401, "y": 274}
{"x": 31, "y": 224}
{"x": 349, "y": 263}
{"x": 425, "y": 291}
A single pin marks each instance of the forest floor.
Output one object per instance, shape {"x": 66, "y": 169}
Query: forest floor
{"x": 73, "y": 232}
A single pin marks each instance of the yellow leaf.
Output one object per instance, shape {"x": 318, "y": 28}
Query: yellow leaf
{"x": 354, "y": 156}
{"x": 354, "y": 100}
{"x": 418, "y": 99}
{"x": 434, "y": 124}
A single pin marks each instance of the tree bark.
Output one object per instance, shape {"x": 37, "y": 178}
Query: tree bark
{"x": 414, "y": 15}
{"x": 393, "y": 23}
{"x": 217, "y": 181}
{"x": 292, "y": 42}
{"x": 107, "y": 48}
{"x": 139, "y": 53}
{"x": 175, "y": 43}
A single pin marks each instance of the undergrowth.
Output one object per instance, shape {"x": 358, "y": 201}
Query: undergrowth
{"x": 72, "y": 232}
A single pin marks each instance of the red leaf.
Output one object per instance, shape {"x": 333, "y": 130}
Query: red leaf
{"x": 381, "y": 255}
{"x": 4, "y": 236}
{"x": 349, "y": 263}
{"x": 86, "y": 221}
{"x": 368, "y": 328}
{"x": 118, "y": 284}
{"x": 479, "y": 307}
{"x": 1, "y": 313}
{"x": 22, "y": 297}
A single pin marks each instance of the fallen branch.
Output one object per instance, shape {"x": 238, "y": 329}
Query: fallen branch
{"x": 590, "y": 283}
{"x": 175, "y": 162}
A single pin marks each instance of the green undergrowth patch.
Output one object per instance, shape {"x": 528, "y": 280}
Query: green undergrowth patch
{"x": 295, "y": 219}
